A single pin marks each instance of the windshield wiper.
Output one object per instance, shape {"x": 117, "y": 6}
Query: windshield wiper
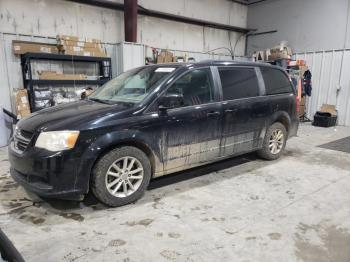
{"x": 101, "y": 101}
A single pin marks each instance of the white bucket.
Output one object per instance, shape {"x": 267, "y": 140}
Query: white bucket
{"x": 4, "y": 132}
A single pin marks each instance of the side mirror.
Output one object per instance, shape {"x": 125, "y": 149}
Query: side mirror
{"x": 169, "y": 101}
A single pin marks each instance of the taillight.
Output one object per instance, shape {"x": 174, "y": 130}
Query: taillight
{"x": 297, "y": 103}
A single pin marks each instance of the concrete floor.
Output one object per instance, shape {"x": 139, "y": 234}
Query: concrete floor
{"x": 245, "y": 209}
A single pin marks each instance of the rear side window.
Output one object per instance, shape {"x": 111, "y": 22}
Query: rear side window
{"x": 238, "y": 82}
{"x": 276, "y": 82}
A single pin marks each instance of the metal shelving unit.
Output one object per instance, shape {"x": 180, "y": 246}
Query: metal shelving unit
{"x": 104, "y": 64}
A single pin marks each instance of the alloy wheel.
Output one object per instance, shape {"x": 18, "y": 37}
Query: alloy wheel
{"x": 124, "y": 176}
{"x": 276, "y": 141}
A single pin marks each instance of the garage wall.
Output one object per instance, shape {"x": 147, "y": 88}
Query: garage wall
{"x": 52, "y": 17}
{"x": 42, "y": 20}
{"x": 310, "y": 25}
{"x": 318, "y": 31}
{"x": 330, "y": 81}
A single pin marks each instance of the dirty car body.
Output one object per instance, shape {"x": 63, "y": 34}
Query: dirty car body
{"x": 206, "y": 129}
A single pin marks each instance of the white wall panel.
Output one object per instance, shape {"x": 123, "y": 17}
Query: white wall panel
{"x": 306, "y": 25}
{"x": 52, "y": 17}
{"x": 129, "y": 55}
{"x": 220, "y": 11}
{"x": 330, "y": 82}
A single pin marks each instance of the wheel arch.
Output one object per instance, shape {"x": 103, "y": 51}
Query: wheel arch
{"x": 110, "y": 141}
{"x": 283, "y": 118}
{"x": 134, "y": 143}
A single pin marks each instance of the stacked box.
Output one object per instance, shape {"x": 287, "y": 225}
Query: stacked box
{"x": 22, "y": 103}
{"x": 72, "y": 45}
{"x": 22, "y": 47}
{"x": 302, "y": 106}
{"x": 52, "y": 75}
{"x": 165, "y": 57}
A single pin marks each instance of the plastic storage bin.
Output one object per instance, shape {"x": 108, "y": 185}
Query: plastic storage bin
{"x": 324, "y": 119}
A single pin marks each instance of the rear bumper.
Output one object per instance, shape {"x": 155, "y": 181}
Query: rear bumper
{"x": 62, "y": 175}
{"x": 293, "y": 130}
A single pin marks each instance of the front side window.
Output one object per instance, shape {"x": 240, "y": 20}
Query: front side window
{"x": 132, "y": 86}
{"x": 196, "y": 87}
{"x": 276, "y": 82}
{"x": 238, "y": 82}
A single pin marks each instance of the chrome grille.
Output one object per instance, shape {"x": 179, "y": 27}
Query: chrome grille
{"x": 22, "y": 139}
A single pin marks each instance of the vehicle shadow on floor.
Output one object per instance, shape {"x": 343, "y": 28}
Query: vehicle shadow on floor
{"x": 157, "y": 183}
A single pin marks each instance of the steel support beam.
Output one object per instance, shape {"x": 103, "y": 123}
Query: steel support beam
{"x": 130, "y": 20}
{"x": 162, "y": 15}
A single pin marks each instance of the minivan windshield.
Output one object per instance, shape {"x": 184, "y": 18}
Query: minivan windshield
{"x": 132, "y": 86}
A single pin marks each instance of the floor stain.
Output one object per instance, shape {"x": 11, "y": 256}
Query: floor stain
{"x": 170, "y": 255}
{"x": 74, "y": 216}
{"x": 33, "y": 219}
{"x": 116, "y": 243}
{"x": 274, "y": 236}
{"x": 156, "y": 202}
{"x": 99, "y": 233}
{"x": 10, "y": 186}
{"x": 144, "y": 222}
{"x": 14, "y": 205}
{"x": 250, "y": 238}
{"x": 174, "y": 235}
{"x": 332, "y": 243}
{"x": 37, "y": 220}
{"x": 218, "y": 218}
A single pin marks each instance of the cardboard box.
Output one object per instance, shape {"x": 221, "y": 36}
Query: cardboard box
{"x": 277, "y": 53}
{"x": 326, "y": 108}
{"x": 65, "y": 43}
{"x": 70, "y": 38}
{"x": 77, "y": 39}
{"x": 165, "y": 57}
{"x": 22, "y": 47}
{"x": 22, "y": 103}
{"x": 86, "y": 53}
{"x": 301, "y": 110}
{"x": 51, "y": 75}
{"x": 81, "y": 49}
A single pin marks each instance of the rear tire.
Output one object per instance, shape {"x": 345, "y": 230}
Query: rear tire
{"x": 274, "y": 142}
{"x": 121, "y": 176}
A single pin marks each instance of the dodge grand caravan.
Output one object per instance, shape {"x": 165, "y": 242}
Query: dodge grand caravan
{"x": 153, "y": 121}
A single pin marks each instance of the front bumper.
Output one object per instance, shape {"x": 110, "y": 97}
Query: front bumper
{"x": 59, "y": 175}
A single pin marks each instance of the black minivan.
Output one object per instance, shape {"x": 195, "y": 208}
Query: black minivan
{"x": 152, "y": 121}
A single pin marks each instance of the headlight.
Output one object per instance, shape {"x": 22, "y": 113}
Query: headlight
{"x": 57, "y": 140}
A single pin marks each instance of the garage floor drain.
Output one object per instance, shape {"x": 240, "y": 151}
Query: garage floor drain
{"x": 339, "y": 145}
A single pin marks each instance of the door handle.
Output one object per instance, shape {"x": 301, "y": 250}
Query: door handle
{"x": 213, "y": 114}
{"x": 230, "y": 111}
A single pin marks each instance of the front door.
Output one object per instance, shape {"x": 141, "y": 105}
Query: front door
{"x": 191, "y": 134}
{"x": 244, "y": 111}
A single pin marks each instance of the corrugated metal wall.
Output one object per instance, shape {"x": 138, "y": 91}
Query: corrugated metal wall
{"x": 131, "y": 55}
{"x": 330, "y": 81}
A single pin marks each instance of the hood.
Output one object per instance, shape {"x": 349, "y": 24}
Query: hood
{"x": 72, "y": 116}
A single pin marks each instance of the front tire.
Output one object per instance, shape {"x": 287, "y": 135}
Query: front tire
{"x": 121, "y": 176}
{"x": 274, "y": 142}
